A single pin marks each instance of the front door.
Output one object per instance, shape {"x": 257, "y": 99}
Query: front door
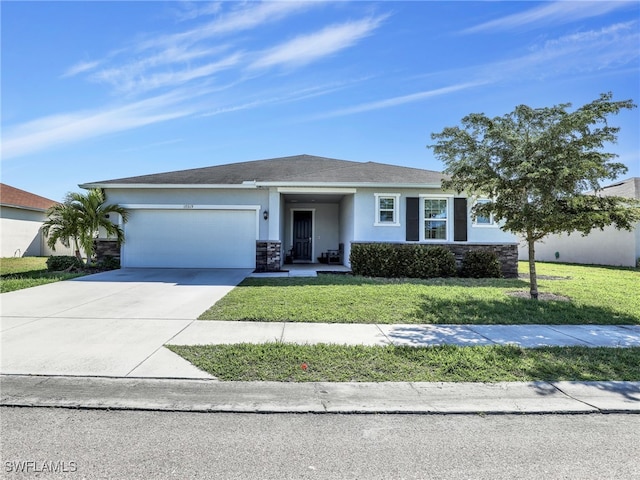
{"x": 302, "y": 234}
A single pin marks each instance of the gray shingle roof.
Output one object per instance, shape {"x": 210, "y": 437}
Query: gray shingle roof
{"x": 629, "y": 188}
{"x": 294, "y": 169}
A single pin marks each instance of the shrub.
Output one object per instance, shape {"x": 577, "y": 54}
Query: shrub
{"x": 109, "y": 263}
{"x": 437, "y": 261}
{"x": 373, "y": 260}
{"x": 63, "y": 262}
{"x": 406, "y": 260}
{"x": 360, "y": 261}
{"x": 481, "y": 264}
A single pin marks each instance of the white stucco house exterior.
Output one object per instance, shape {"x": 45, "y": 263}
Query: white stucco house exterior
{"x": 601, "y": 247}
{"x": 21, "y": 216}
{"x": 302, "y": 206}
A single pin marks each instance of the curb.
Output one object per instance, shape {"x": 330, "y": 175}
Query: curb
{"x": 338, "y": 398}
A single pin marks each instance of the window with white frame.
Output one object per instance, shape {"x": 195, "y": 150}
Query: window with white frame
{"x": 436, "y": 218}
{"x": 387, "y": 209}
{"x": 483, "y": 220}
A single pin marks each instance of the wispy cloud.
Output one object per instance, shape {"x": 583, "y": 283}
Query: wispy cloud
{"x": 190, "y": 10}
{"x": 290, "y": 96}
{"x": 174, "y": 60}
{"x": 183, "y": 74}
{"x": 611, "y": 47}
{"x": 400, "y": 100}
{"x": 54, "y": 130}
{"x": 609, "y": 50}
{"x": 308, "y": 48}
{"x": 584, "y": 53}
{"x": 143, "y": 76}
{"x": 81, "y": 67}
{"x": 161, "y": 61}
{"x": 257, "y": 14}
{"x": 555, "y": 13}
{"x": 249, "y": 15}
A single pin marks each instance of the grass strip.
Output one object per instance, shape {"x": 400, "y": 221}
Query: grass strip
{"x": 26, "y": 272}
{"x": 281, "y": 362}
{"x": 598, "y": 295}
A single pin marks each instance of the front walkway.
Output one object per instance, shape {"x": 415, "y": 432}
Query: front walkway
{"x": 304, "y": 270}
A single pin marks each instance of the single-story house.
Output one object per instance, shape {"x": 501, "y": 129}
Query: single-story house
{"x": 601, "y": 247}
{"x": 21, "y": 217}
{"x": 259, "y": 214}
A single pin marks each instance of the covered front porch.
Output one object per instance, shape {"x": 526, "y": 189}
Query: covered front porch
{"x": 314, "y": 225}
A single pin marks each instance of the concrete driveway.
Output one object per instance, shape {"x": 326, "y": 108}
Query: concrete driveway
{"x": 108, "y": 324}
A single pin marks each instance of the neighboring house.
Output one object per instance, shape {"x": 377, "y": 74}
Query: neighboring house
{"x": 21, "y": 217}
{"x": 601, "y": 247}
{"x": 261, "y": 213}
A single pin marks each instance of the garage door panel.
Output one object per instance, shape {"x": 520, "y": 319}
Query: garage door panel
{"x": 190, "y": 239}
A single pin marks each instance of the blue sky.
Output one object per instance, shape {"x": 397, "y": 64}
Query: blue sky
{"x": 101, "y": 90}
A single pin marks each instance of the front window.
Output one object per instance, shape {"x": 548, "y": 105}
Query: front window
{"x": 387, "y": 209}
{"x": 483, "y": 220}
{"x": 435, "y": 219}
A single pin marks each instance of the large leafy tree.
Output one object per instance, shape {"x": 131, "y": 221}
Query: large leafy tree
{"x": 79, "y": 219}
{"x": 542, "y": 168}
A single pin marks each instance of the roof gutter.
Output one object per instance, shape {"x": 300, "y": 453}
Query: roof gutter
{"x": 256, "y": 184}
{"x": 348, "y": 185}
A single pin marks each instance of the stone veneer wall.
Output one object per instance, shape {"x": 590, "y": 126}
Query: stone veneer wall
{"x": 106, "y": 248}
{"x": 507, "y": 253}
{"x": 268, "y": 255}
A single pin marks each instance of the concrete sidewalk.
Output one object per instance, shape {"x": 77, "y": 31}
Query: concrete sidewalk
{"x": 134, "y": 347}
{"x": 363, "y": 398}
{"x": 222, "y": 332}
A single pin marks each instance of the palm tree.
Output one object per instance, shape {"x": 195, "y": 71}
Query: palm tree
{"x": 62, "y": 225}
{"x": 80, "y": 219}
{"x": 93, "y": 214}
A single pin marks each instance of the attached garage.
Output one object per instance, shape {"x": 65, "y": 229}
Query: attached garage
{"x": 188, "y": 237}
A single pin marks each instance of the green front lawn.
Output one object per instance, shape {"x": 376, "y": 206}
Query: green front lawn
{"x": 448, "y": 363}
{"x": 597, "y": 295}
{"x": 25, "y": 272}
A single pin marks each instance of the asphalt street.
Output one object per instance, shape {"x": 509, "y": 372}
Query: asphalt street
{"x": 133, "y": 445}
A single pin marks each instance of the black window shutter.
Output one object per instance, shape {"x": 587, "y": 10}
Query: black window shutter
{"x": 459, "y": 219}
{"x": 413, "y": 219}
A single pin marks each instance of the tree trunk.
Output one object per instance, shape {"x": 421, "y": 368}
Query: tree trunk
{"x": 533, "y": 278}
{"x": 77, "y": 248}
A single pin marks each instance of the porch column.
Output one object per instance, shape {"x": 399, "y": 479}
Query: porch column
{"x": 274, "y": 214}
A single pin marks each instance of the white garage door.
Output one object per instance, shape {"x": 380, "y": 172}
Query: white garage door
{"x": 190, "y": 239}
